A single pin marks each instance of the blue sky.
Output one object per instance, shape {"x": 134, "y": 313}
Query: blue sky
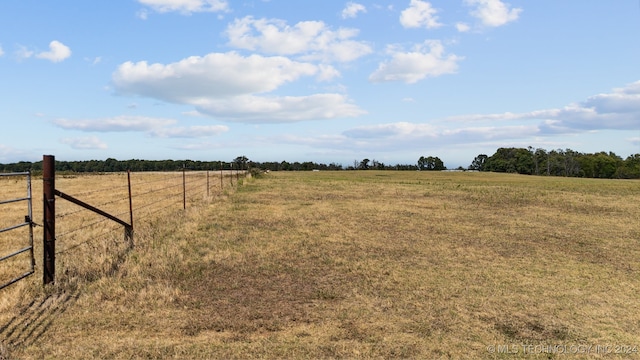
{"x": 323, "y": 81}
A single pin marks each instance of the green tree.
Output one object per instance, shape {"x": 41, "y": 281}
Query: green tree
{"x": 241, "y": 162}
{"x": 511, "y": 160}
{"x": 630, "y": 169}
{"x": 422, "y": 163}
{"x": 478, "y": 162}
{"x": 430, "y": 163}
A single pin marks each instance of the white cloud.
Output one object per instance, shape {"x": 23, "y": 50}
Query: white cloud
{"x": 261, "y": 109}
{"x": 1, "y": 51}
{"x": 9, "y": 154}
{"x": 401, "y": 136}
{"x": 156, "y": 127}
{"x": 190, "y": 132}
{"x": 23, "y": 53}
{"x": 216, "y": 75}
{"x": 403, "y": 133}
{"x": 327, "y": 72}
{"x": 311, "y": 40}
{"x": 462, "y": 27}
{"x": 493, "y": 13}
{"x": 229, "y": 86}
{"x": 85, "y": 143}
{"x": 399, "y": 129}
{"x": 419, "y": 14}
{"x": 184, "y": 6}
{"x": 426, "y": 60}
{"x": 114, "y": 124}
{"x": 352, "y": 9}
{"x": 57, "y": 52}
{"x": 143, "y": 14}
{"x": 618, "y": 110}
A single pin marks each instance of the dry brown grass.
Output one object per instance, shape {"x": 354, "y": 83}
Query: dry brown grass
{"x": 354, "y": 265}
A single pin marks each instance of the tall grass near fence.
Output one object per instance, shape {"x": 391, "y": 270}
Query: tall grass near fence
{"x": 89, "y": 246}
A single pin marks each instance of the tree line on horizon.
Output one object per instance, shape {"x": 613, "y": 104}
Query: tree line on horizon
{"x": 527, "y": 161}
{"x": 560, "y": 162}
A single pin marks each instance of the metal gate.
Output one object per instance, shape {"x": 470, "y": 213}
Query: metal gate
{"x": 9, "y": 250}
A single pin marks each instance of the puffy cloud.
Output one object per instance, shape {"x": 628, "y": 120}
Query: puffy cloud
{"x": 493, "y": 13}
{"x": 217, "y": 75}
{"x": 310, "y": 40}
{"x": 184, "y": 6}
{"x": 226, "y": 86}
{"x": 419, "y": 14}
{"x": 352, "y": 9}
{"x": 426, "y": 60}
{"x": 57, "y": 52}
{"x": 85, "y": 143}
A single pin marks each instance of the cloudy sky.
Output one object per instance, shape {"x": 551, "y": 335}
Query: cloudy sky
{"x": 324, "y": 81}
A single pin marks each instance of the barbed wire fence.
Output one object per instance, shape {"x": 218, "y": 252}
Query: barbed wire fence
{"x": 83, "y": 215}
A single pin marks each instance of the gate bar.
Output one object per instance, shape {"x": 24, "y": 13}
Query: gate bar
{"x": 89, "y": 207}
{"x": 15, "y": 173}
{"x": 13, "y": 200}
{"x": 16, "y": 279}
{"x": 16, "y": 253}
{"x": 15, "y": 227}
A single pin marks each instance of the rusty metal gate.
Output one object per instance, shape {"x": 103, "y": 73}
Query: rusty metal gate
{"x": 12, "y": 249}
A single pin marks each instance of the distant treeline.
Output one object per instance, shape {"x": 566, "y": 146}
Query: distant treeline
{"x": 113, "y": 165}
{"x": 528, "y": 161}
{"x": 559, "y": 163}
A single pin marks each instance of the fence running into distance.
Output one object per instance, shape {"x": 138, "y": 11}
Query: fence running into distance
{"x": 84, "y": 215}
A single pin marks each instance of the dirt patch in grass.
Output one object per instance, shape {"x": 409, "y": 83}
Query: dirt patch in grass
{"x": 255, "y": 296}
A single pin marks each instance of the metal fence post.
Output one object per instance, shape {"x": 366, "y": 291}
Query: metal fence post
{"x": 128, "y": 230}
{"x": 49, "y": 223}
{"x": 184, "y": 189}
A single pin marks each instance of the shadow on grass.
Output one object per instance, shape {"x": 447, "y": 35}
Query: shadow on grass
{"x": 35, "y": 319}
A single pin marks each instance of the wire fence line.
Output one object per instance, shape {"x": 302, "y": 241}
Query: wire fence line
{"x": 81, "y": 232}
{"x": 89, "y": 212}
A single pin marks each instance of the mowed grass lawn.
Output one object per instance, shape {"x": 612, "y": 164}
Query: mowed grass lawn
{"x": 362, "y": 264}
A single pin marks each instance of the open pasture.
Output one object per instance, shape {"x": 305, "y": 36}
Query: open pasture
{"x": 364, "y": 264}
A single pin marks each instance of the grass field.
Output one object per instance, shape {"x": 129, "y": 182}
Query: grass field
{"x": 362, "y": 264}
